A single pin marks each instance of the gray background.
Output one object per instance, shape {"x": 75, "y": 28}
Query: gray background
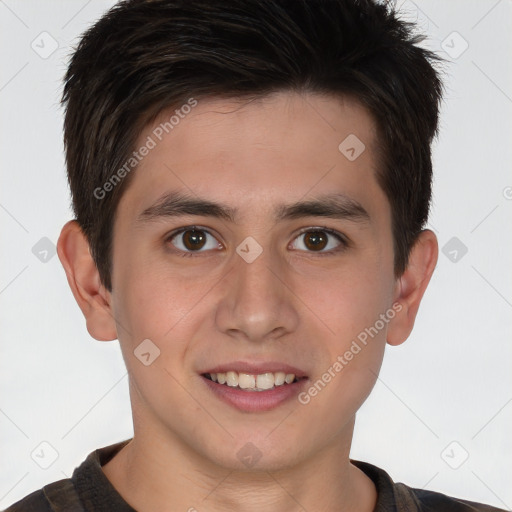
{"x": 442, "y": 396}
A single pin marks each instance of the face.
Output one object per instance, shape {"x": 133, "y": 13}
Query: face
{"x": 248, "y": 241}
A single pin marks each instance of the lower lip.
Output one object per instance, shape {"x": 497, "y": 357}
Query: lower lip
{"x": 255, "y": 401}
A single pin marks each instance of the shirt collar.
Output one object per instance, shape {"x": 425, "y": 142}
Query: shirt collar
{"x": 97, "y": 493}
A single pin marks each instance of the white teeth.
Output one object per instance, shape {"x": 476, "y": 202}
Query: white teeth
{"x": 265, "y": 381}
{"x": 258, "y": 382}
{"x": 289, "y": 378}
{"x": 279, "y": 378}
{"x": 246, "y": 381}
{"x": 232, "y": 379}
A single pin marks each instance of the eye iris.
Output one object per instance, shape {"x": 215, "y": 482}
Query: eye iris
{"x": 315, "y": 240}
{"x": 194, "y": 239}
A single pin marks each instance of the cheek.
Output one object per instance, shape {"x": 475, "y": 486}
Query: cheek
{"x": 349, "y": 299}
{"x": 156, "y": 301}
{"x": 354, "y": 348}
{"x": 351, "y": 304}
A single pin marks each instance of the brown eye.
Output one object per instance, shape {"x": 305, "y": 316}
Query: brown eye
{"x": 323, "y": 241}
{"x": 315, "y": 240}
{"x": 193, "y": 239}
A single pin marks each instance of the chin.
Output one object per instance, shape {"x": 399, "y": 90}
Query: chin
{"x": 253, "y": 454}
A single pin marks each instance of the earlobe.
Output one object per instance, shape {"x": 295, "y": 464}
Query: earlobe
{"x": 84, "y": 281}
{"x": 411, "y": 286}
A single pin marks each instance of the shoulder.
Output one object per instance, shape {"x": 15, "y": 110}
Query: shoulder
{"x": 432, "y": 501}
{"x": 57, "y": 496}
{"x": 399, "y": 497}
{"x": 34, "y": 502}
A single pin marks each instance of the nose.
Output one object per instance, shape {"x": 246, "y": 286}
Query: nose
{"x": 258, "y": 303}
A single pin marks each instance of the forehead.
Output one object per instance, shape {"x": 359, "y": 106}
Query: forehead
{"x": 256, "y": 151}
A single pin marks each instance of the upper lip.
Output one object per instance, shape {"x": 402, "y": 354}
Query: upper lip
{"x": 253, "y": 368}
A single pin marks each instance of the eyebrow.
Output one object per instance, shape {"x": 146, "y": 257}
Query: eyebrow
{"x": 175, "y": 204}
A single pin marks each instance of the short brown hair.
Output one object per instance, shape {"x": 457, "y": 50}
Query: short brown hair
{"x": 142, "y": 57}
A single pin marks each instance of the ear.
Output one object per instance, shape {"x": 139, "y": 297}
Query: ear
{"x": 411, "y": 286}
{"x": 84, "y": 280}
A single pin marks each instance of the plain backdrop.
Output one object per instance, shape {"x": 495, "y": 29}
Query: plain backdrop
{"x": 440, "y": 415}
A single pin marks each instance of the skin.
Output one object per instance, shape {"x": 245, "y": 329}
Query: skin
{"x": 291, "y": 304}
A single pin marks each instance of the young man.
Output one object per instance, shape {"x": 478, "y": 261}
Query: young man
{"x": 250, "y": 181}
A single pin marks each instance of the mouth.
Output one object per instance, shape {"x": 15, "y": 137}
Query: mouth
{"x": 254, "y": 388}
{"x": 252, "y": 382}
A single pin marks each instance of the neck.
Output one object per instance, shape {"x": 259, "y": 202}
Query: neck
{"x": 152, "y": 473}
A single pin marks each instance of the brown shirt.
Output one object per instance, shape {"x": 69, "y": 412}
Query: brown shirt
{"x": 90, "y": 490}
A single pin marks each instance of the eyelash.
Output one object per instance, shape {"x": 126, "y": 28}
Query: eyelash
{"x": 344, "y": 244}
{"x": 339, "y": 237}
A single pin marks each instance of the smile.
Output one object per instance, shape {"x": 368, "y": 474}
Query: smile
{"x": 254, "y": 392}
{"x": 249, "y": 382}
